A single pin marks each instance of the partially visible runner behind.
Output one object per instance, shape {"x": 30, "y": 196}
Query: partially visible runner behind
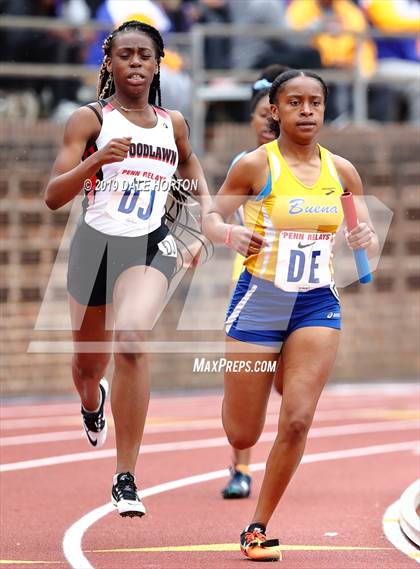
{"x": 239, "y": 484}
{"x": 285, "y": 299}
{"x": 124, "y": 150}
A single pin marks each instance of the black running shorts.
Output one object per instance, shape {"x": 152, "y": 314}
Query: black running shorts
{"x": 96, "y": 260}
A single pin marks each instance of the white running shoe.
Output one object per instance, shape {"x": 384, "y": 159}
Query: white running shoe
{"x": 95, "y": 424}
{"x": 126, "y": 497}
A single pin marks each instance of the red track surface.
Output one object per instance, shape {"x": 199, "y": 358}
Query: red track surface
{"x": 345, "y": 496}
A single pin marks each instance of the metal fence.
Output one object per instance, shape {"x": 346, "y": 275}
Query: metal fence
{"x": 192, "y": 46}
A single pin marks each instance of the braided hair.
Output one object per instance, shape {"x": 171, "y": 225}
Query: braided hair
{"x": 184, "y": 226}
{"x": 106, "y": 86}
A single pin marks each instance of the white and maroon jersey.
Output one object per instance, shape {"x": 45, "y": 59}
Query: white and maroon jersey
{"x": 128, "y": 198}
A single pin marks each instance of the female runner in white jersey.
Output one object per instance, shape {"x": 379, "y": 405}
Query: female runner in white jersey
{"x": 285, "y": 298}
{"x": 124, "y": 151}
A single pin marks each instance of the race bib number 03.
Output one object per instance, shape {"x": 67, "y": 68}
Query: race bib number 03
{"x": 303, "y": 261}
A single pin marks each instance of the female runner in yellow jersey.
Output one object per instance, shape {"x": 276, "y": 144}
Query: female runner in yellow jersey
{"x": 285, "y": 299}
{"x": 240, "y": 481}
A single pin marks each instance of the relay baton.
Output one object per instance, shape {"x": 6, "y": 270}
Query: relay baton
{"x": 360, "y": 256}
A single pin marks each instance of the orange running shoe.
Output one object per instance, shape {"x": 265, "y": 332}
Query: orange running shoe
{"x": 256, "y": 546}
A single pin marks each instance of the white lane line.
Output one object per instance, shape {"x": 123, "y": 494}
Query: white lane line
{"x": 41, "y": 438}
{"x": 72, "y": 542}
{"x": 394, "y": 534}
{"x": 172, "y": 423}
{"x": 39, "y": 422}
{"x": 366, "y": 388}
{"x": 73, "y": 417}
{"x": 169, "y": 427}
{"x": 73, "y": 536}
{"x": 34, "y": 410}
{"x": 409, "y": 519}
{"x": 60, "y": 408}
{"x": 314, "y": 433}
{"x": 30, "y": 416}
{"x": 347, "y": 391}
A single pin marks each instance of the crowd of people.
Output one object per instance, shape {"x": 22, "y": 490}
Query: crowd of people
{"x": 392, "y": 62}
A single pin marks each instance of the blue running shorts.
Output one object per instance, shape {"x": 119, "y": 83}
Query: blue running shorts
{"x": 261, "y": 313}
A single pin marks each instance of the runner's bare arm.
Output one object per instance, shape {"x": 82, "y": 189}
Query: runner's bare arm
{"x": 363, "y": 236}
{"x": 244, "y": 179}
{"x": 68, "y": 172}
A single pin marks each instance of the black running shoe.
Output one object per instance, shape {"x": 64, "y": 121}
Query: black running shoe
{"x": 126, "y": 497}
{"x": 95, "y": 424}
{"x": 256, "y": 546}
{"x": 239, "y": 486}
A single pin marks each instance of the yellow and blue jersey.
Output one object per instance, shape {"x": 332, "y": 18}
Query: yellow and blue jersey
{"x": 286, "y": 208}
{"x": 288, "y": 285}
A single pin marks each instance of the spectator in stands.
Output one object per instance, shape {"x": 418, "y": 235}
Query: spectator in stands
{"x": 179, "y": 14}
{"x": 217, "y": 50}
{"x": 256, "y": 53}
{"x": 247, "y": 51}
{"x": 253, "y": 52}
{"x": 176, "y": 83}
{"x": 93, "y": 6}
{"x": 25, "y": 45}
{"x": 333, "y": 22}
{"x": 398, "y": 58}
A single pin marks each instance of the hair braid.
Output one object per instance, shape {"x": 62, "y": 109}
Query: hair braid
{"x": 183, "y": 224}
{"x": 155, "y": 89}
{"x": 105, "y": 86}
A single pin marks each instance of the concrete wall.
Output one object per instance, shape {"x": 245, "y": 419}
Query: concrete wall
{"x": 381, "y": 334}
